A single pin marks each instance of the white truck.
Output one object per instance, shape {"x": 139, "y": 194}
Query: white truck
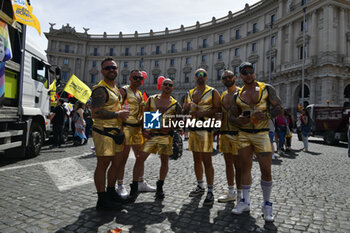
{"x": 24, "y": 122}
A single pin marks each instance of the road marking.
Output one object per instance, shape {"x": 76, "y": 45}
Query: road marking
{"x": 68, "y": 173}
{"x": 40, "y": 163}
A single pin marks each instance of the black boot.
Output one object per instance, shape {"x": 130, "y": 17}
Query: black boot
{"x": 114, "y": 195}
{"x": 105, "y": 202}
{"x": 133, "y": 192}
{"x": 159, "y": 191}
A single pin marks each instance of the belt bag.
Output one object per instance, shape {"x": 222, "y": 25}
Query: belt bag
{"x": 132, "y": 125}
{"x": 254, "y": 130}
{"x": 118, "y": 139}
{"x": 229, "y": 132}
{"x": 170, "y": 133}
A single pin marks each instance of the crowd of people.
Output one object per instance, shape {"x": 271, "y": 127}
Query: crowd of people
{"x": 252, "y": 118}
{"x": 73, "y": 120}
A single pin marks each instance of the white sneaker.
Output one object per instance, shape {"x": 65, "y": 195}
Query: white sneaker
{"x": 241, "y": 207}
{"x": 267, "y": 211}
{"x": 144, "y": 187}
{"x": 121, "y": 190}
{"x": 227, "y": 197}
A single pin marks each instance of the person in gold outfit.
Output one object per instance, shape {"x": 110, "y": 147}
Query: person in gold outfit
{"x": 132, "y": 128}
{"x": 254, "y": 104}
{"x": 160, "y": 140}
{"x": 202, "y": 102}
{"x": 108, "y": 139}
{"x": 228, "y": 139}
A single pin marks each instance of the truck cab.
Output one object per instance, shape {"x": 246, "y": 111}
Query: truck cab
{"x": 329, "y": 122}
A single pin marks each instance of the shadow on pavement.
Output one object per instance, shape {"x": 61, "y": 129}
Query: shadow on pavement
{"x": 275, "y": 161}
{"x": 4, "y": 161}
{"x": 89, "y": 220}
{"x": 321, "y": 142}
{"x": 191, "y": 218}
{"x": 141, "y": 214}
{"x": 240, "y": 223}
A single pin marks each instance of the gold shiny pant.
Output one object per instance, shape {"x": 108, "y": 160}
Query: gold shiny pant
{"x": 163, "y": 145}
{"x": 133, "y": 135}
{"x": 200, "y": 141}
{"x": 260, "y": 141}
{"x": 228, "y": 144}
{"x": 105, "y": 146}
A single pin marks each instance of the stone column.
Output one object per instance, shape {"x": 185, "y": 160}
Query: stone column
{"x": 332, "y": 32}
{"x": 289, "y": 96}
{"x": 314, "y": 30}
{"x": 83, "y": 61}
{"x": 326, "y": 89}
{"x": 289, "y": 54}
{"x": 341, "y": 91}
{"x": 279, "y": 42}
{"x": 342, "y": 41}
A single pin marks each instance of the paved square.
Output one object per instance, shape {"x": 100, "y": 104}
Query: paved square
{"x": 55, "y": 193}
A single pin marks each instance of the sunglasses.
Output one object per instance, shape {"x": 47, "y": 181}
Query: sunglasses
{"x": 137, "y": 77}
{"x": 201, "y": 74}
{"x": 246, "y": 72}
{"x": 227, "y": 77}
{"x": 110, "y": 68}
{"x": 168, "y": 84}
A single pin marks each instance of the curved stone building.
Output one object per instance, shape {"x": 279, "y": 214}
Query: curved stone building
{"x": 270, "y": 34}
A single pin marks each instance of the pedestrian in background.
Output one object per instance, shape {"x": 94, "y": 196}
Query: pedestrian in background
{"x": 281, "y": 128}
{"x": 272, "y": 136}
{"x": 305, "y": 128}
{"x": 88, "y": 121}
{"x": 57, "y": 117}
{"x": 289, "y": 130}
{"x": 79, "y": 123}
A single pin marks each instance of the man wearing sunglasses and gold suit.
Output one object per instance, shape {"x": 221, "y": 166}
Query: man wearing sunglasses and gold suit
{"x": 132, "y": 127}
{"x": 202, "y": 102}
{"x": 160, "y": 140}
{"x": 108, "y": 139}
{"x": 254, "y": 104}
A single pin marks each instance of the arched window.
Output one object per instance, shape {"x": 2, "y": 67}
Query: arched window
{"x": 306, "y": 92}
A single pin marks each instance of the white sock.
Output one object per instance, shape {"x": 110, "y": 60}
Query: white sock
{"x": 231, "y": 189}
{"x": 200, "y": 183}
{"x": 246, "y": 193}
{"x": 266, "y": 187}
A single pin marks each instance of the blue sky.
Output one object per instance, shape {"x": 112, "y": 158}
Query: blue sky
{"x": 113, "y": 16}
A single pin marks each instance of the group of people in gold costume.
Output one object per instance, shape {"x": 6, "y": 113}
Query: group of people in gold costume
{"x": 244, "y": 113}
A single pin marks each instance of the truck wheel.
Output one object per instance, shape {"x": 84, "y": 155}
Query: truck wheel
{"x": 36, "y": 138}
{"x": 329, "y": 138}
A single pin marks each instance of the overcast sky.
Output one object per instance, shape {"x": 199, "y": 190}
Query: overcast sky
{"x": 127, "y": 16}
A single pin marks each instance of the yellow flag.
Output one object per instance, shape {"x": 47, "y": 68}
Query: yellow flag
{"x": 78, "y": 89}
{"x": 53, "y": 86}
{"x": 22, "y": 13}
{"x": 52, "y": 89}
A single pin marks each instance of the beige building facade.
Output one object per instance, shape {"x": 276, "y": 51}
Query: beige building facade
{"x": 270, "y": 34}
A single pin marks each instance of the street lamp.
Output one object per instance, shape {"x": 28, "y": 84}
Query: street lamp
{"x": 303, "y": 68}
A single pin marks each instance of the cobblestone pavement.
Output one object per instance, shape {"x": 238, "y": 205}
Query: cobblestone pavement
{"x": 55, "y": 193}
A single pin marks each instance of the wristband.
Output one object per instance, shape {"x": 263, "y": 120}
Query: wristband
{"x": 116, "y": 114}
{"x": 268, "y": 115}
